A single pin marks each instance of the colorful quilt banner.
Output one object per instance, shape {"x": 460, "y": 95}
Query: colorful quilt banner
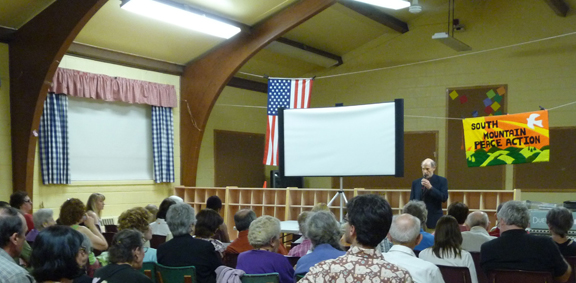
{"x": 507, "y": 139}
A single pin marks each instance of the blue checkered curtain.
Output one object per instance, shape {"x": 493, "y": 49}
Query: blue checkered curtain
{"x": 53, "y": 140}
{"x": 163, "y": 144}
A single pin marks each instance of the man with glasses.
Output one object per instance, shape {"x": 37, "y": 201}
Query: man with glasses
{"x": 12, "y": 237}
{"x": 432, "y": 189}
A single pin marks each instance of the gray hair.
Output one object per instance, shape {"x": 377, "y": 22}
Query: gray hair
{"x": 263, "y": 230}
{"x": 405, "y": 228}
{"x": 560, "y": 220}
{"x": 42, "y": 216}
{"x": 302, "y": 222}
{"x": 243, "y": 218}
{"x": 322, "y": 228}
{"x": 429, "y": 160}
{"x": 180, "y": 219}
{"x": 86, "y": 243}
{"x": 417, "y": 208}
{"x": 515, "y": 213}
{"x": 477, "y": 218}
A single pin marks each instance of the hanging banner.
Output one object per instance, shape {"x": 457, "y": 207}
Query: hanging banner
{"x": 507, "y": 139}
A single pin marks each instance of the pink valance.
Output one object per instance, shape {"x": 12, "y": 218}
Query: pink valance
{"x": 96, "y": 86}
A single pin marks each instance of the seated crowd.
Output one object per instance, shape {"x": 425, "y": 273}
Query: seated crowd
{"x": 372, "y": 245}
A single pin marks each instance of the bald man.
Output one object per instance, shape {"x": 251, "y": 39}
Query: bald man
{"x": 432, "y": 189}
{"x": 472, "y": 240}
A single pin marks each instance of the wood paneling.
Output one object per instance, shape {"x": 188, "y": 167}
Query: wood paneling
{"x": 238, "y": 159}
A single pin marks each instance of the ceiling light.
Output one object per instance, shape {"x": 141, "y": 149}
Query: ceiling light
{"x": 451, "y": 42}
{"x": 390, "y": 4}
{"x": 180, "y": 17}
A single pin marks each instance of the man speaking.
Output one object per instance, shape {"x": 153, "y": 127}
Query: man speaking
{"x": 432, "y": 189}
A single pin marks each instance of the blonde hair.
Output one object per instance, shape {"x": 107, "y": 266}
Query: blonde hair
{"x": 91, "y": 204}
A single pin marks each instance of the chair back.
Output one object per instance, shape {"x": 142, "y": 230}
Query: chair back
{"x": 523, "y": 276}
{"x": 417, "y": 253}
{"x": 293, "y": 260}
{"x": 479, "y": 272}
{"x": 173, "y": 274}
{"x": 230, "y": 259}
{"x": 157, "y": 240}
{"x": 149, "y": 269}
{"x": 572, "y": 262}
{"x": 455, "y": 274}
{"x": 111, "y": 228}
{"x": 300, "y": 276}
{"x": 261, "y": 278}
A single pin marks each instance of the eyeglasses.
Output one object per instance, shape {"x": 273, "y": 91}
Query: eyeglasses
{"x": 28, "y": 201}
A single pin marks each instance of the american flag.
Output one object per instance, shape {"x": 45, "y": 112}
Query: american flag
{"x": 287, "y": 93}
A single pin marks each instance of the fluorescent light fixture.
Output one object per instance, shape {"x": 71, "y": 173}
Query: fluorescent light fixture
{"x": 390, "y": 4}
{"x": 186, "y": 19}
{"x": 451, "y": 42}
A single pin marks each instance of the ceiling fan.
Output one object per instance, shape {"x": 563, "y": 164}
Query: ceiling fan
{"x": 413, "y": 7}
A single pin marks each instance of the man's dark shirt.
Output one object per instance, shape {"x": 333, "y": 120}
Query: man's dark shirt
{"x": 518, "y": 250}
{"x": 568, "y": 248}
{"x": 433, "y": 198}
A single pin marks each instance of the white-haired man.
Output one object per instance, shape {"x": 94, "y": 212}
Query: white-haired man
{"x": 472, "y": 240}
{"x": 405, "y": 235}
{"x": 518, "y": 250}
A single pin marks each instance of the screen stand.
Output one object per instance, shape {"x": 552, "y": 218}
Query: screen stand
{"x": 343, "y": 200}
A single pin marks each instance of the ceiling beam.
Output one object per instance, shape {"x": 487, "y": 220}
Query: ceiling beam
{"x": 376, "y": 15}
{"x": 35, "y": 52}
{"x": 558, "y": 6}
{"x": 311, "y": 49}
{"x": 205, "y": 78}
{"x": 248, "y": 85}
{"x": 6, "y": 34}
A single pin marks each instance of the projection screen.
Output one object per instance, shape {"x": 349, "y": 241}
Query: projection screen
{"x": 363, "y": 140}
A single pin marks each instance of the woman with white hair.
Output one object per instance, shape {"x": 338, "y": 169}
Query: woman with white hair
{"x": 324, "y": 232}
{"x": 264, "y": 236}
{"x": 43, "y": 218}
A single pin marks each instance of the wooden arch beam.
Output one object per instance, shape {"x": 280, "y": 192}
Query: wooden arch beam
{"x": 35, "y": 52}
{"x": 204, "y": 79}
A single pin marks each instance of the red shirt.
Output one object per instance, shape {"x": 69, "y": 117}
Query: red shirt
{"x": 241, "y": 244}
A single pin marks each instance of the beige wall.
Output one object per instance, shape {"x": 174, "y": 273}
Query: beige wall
{"x": 5, "y": 141}
{"x": 120, "y": 195}
{"x": 537, "y": 74}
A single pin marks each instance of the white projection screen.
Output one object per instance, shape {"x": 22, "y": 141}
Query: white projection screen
{"x": 363, "y": 140}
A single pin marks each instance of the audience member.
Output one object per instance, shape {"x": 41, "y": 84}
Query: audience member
{"x": 517, "y": 250}
{"x": 176, "y": 198}
{"x": 264, "y": 236}
{"x": 495, "y": 231}
{"x": 323, "y": 231}
{"x": 95, "y": 205}
{"x": 72, "y": 213}
{"x": 60, "y": 254}
{"x": 242, "y": 219}
{"x": 560, "y": 221}
{"x": 207, "y": 223}
{"x": 20, "y": 200}
{"x": 43, "y": 218}
{"x": 472, "y": 240}
{"x": 459, "y": 211}
{"x": 447, "y": 248}
{"x": 303, "y": 248}
{"x": 183, "y": 249}
{"x": 417, "y": 208}
{"x": 12, "y": 237}
{"x": 221, "y": 234}
{"x": 153, "y": 209}
{"x": 137, "y": 218}
{"x": 405, "y": 235}
{"x": 4, "y": 204}
{"x": 369, "y": 219}
{"x": 321, "y": 206}
{"x": 160, "y": 227}
{"x": 126, "y": 254}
